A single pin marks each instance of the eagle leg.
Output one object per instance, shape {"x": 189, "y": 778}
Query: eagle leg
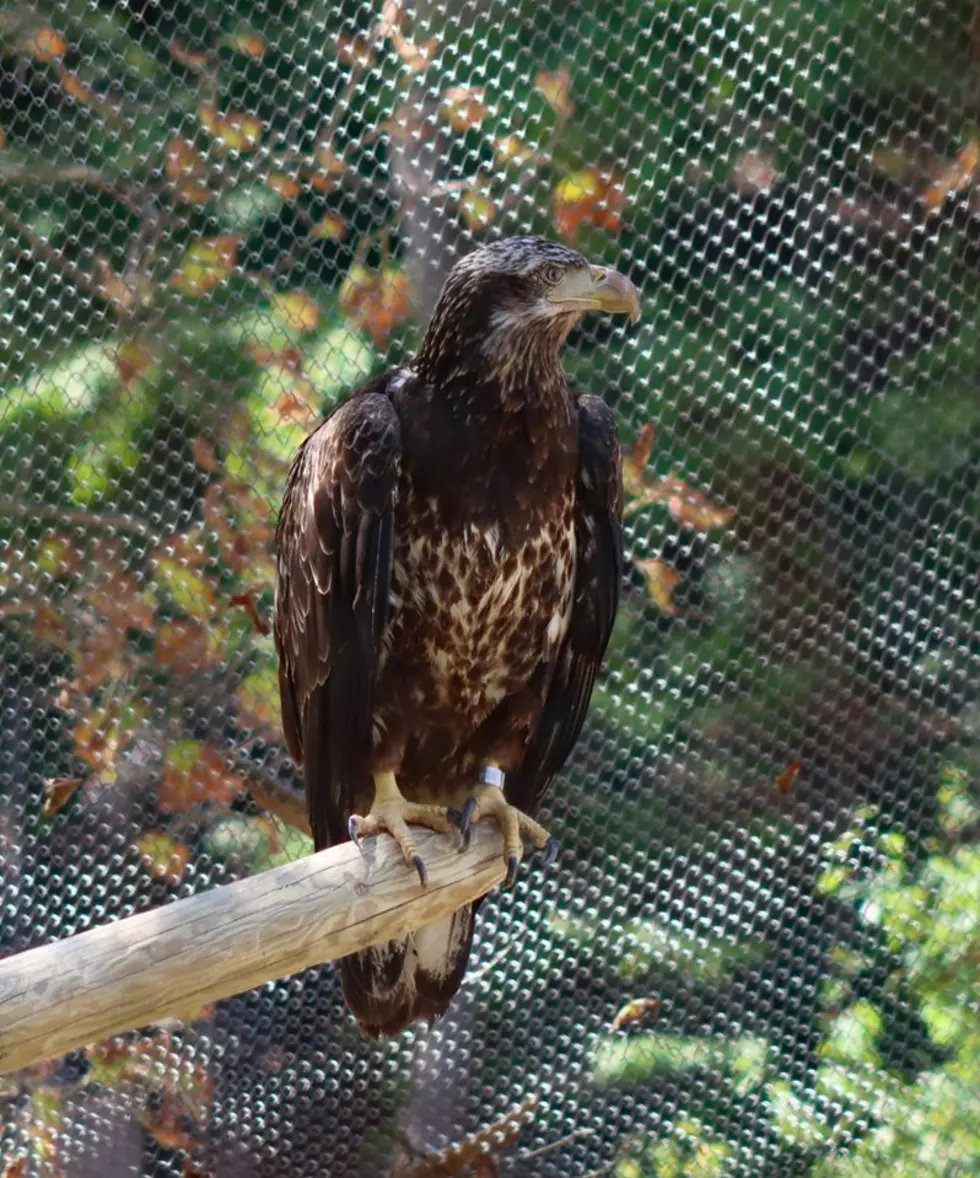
{"x": 390, "y": 814}
{"x": 488, "y": 801}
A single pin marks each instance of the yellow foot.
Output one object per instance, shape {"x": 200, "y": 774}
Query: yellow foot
{"x": 488, "y": 801}
{"x": 391, "y": 814}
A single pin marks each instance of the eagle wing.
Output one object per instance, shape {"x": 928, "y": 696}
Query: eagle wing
{"x": 334, "y": 543}
{"x": 598, "y": 575}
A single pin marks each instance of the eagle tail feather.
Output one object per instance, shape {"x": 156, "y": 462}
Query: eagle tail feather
{"x": 416, "y": 977}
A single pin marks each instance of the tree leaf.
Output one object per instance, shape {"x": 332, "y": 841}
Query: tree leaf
{"x": 330, "y": 227}
{"x": 464, "y": 108}
{"x": 45, "y": 44}
{"x": 206, "y": 264}
{"x": 556, "y": 87}
{"x": 58, "y": 792}
{"x": 163, "y": 856}
{"x": 232, "y": 131}
{"x": 297, "y": 309}
{"x": 194, "y": 774}
{"x": 588, "y": 197}
{"x": 477, "y": 210}
{"x": 661, "y": 581}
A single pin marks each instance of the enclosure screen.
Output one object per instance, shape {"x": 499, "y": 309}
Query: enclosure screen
{"x": 757, "y": 954}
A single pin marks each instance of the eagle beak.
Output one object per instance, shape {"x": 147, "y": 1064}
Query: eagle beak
{"x": 601, "y": 289}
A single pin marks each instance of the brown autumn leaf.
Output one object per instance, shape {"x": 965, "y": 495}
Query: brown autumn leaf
{"x": 786, "y": 780}
{"x": 166, "y": 1129}
{"x": 354, "y": 50}
{"x": 193, "y": 774}
{"x": 16, "y": 1167}
{"x": 588, "y": 197}
{"x": 635, "y": 1012}
{"x": 248, "y": 43}
{"x": 186, "y": 171}
{"x": 114, "y": 288}
{"x": 477, "y": 210}
{"x": 45, "y": 44}
{"x": 512, "y": 149}
{"x": 248, "y": 602}
{"x": 50, "y": 627}
{"x": 960, "y": 174}
{"x": 204, "y": 454}
{"x": 284, "y": 185}
{"x": 235, "y": 130}
{"x": 270, "y": 830}
{"x": 119, "y": 599}
{"x": 376, "y": 302}
{"x": 297, "y": 309}
{"x": 58, "y": 792}
{"x": 322, "y": 182}
{"x": 691, "y": 507}
{"x": 392, "y": 19}
{"x": 556, "y": 87}
{"x": 464, "y": 108}
{"x": 415, "y": 57}
{"x": 75, "y": 88}
{"x": 100, "y": 656}
{"x": 181, "y": 158}
{"x": 3, "y": 138}
{"x": 636, "y": 481}
{"x": 329, "y": 161}
{"x": 191, "y": 59}
{"x": 163, "y": 856}
{"x": 195, "y": 1169}
{"x": 206, "y": 263}
{"x": 133, "y": 361}
{"x": 662, "y": 581}
{"x": 183, "y": 646}
{"x": 330, "y": 227}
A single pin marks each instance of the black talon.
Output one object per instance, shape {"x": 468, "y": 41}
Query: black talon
{"x": 420, "y": 868}
{"x": 352, "y": 825}
{"x": 551, "y": 850}
{"x": 463, "y": 819}
{"x": 512, "y": 862}
{"x": 466, "y": 819}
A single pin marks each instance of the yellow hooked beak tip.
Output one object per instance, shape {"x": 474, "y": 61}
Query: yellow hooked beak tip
{"x": 604, "y": 289}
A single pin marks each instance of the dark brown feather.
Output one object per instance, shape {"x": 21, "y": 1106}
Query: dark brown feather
{"x": 450, "y": 551}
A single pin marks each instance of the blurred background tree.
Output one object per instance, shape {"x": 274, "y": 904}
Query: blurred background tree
{"x": 758, "y": 954}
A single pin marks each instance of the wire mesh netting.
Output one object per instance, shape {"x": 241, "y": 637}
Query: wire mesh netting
{"x": 758, "y": 952}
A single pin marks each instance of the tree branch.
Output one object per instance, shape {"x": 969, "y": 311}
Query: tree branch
{"x": 193, "y": 952}
{"x": 67, "y": 516}
{"x": 40, "y": 249}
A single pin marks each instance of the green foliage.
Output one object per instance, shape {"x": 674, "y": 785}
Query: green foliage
{"x": 872, "y": 1107}
{"x": 202, "y": 250}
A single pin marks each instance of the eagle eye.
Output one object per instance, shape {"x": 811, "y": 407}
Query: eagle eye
{"x": 553, "y": 274}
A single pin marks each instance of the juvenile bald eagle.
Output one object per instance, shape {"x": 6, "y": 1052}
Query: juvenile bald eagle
{"x": 449, "y": 560}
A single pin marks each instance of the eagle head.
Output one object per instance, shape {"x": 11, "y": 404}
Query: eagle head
{"x": 515, "y": 301}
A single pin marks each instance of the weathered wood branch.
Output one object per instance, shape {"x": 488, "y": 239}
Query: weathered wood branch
{"x": 186, "y": 954}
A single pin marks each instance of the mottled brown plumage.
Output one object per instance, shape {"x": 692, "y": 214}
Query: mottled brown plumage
{"x": 450, "y": 551}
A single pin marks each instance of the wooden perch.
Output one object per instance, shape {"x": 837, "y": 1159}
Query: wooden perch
{"x": 186, "y": 954}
